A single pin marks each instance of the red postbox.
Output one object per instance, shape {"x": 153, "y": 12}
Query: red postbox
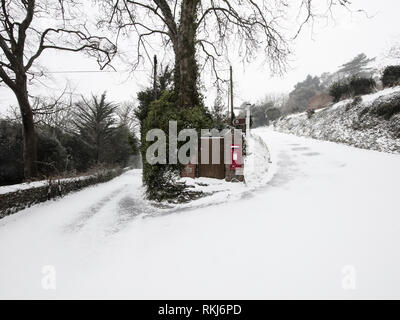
{"x": 236, "y": 157}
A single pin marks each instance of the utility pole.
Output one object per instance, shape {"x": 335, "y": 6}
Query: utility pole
{"x": 231, "y": 76}
{"x": 228, "y": 115}
{"x": 155, "y": 77}
{"x": 248, "y": 106}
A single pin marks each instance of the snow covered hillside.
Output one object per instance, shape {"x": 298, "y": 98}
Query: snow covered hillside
{"x": 326, "y": 225}
{"x": 372, "y": 122}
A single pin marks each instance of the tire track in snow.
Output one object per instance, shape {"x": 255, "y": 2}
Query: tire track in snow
{"x": 90, "y": 212}
{"x": 127, "y": 204}
{"x": 127, "y": 209}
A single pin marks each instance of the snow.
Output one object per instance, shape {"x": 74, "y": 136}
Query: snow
{"x": 34, "y": 184}
{"x": 258, "y": 171}
{"x": 350, "y": 123}
{"x": 22, "y": 186}
{"x": 368, "y": 99}
{"x": 325, "y": 208}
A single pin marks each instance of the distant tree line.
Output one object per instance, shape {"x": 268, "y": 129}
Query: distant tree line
{"x": 357, "y": 68}
{"x": 353, "y": 78}
{"x": 28, "y": 29}
{"x": 73, "y": 138}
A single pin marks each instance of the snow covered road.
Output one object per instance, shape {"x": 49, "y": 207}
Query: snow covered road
{"x": 327, "y": 225}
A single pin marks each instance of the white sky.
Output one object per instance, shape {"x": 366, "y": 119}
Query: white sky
{"x": 324, "y": 49}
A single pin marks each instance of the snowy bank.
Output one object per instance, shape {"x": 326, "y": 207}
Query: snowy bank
{"x": 368, "y": 122}
{"x": 20, "y": 196}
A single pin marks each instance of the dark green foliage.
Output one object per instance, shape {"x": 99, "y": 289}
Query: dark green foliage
{"x": 329, "y": 83}
{"x": 339, "y": 90}
{"x": 95, "y": 123}
{"x": 355, "y": 87}
{"x": 263, "y": 113}
{"x": 360, "y": 86}
{"x": 156, "y": 109}
{"x": 120, "y": 146}
{"x": 145, "y": 97}
{"x": 11, "y": 164}
{"x": 273, "y": 113}
{"x": 133, "y": 142}
{"x": 302, "y": 93}
{"x": 61, "y": 152}
{"x": 80, "y": 158}
{"x": 259, "y": 115}
{"x": 219, "y": 114}
{"x": 52, "y": 156}
{"x": 107, "y": 141}
{"x": 391, "y": 76}
{"x": 164, "y": 80}
{"x": 387, "y": 108}
{"x": 159, "y": 179}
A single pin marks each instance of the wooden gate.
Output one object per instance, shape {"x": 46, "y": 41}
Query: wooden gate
{"x": 210, "y": 170}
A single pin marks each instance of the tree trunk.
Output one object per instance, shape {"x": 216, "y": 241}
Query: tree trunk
{"x": 186, "y": 71}
{"x": 28, "y": 127}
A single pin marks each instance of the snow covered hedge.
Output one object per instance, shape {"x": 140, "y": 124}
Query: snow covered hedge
{"x": 18, "y": 197}
{"x": 368, "y": 122}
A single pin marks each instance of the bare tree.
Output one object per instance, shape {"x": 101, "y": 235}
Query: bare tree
{"x": 27, "y": 29}
{"x": 53, "y": 112}
{"x": 126, "y": 115}
{"x": 209, "y": 28}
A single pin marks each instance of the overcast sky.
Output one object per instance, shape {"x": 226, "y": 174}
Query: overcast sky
{"x": 323, "y": 49}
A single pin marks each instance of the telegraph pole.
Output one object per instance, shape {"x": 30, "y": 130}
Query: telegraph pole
{"x": 155, "y": 77}
{"x": 248, "y": 106}
{"x": 228, "y": 109}
{"x": 231, "y": 76}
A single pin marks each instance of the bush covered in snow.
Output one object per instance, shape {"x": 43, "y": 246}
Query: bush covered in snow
{"x": 339, "y": 89}
{"x": 369, "y": 122}
{"x": 352, "y": 87}
{"x": 391, "y": 76}
{"x": 360, "y": 86}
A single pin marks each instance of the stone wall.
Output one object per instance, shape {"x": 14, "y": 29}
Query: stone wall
{"x": 18, "y": 200}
